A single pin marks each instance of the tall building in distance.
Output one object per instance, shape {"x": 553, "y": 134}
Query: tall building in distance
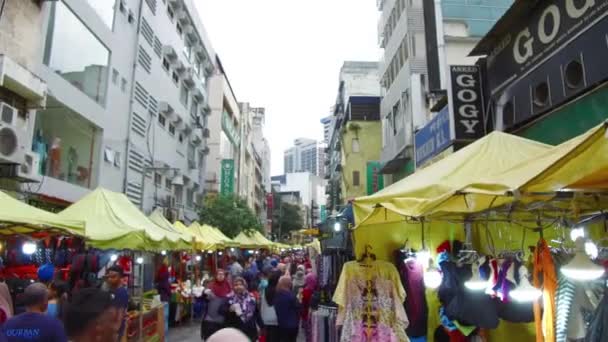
{"x": 327, "y": 123}
{"x": 307, "y": 155}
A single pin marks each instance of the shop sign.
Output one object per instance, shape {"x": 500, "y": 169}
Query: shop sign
{"x": 323, "y": 213}
{"x": 532, "y": 41}
{"x": 434, "y": 137}
{"x": 230, "y": 130}
{"x": 466, "y": 102}
{"x": 375, "y": 181}
{"x": 227, "y": 185}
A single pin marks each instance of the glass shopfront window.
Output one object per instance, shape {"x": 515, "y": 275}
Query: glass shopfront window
{"x": 105, "y": 9}
{"x": 73, "y": 52}
{"x": 67, "y": 145}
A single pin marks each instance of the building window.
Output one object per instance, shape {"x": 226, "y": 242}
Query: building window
{"x": 158, "y": 179}
{"x": 180, "y": 31}
{"x": 188, "y": 50}
{"x": 179, "y": 194}
{"x": 170, "y": 13}
{"x": 194, "y": 109}
{"x": 171, "y": 129}
{"x": 114, "y": 76}
{"x": 355, "y": 145}
{"x": 64, "y": 53}
{"x": 165, "y": 64}
{"x": 123, "y": 85}
{"x": 184, "y": 95}
{"x": 162, "y": 120}
{"x": 198, "y": 66}
{"x": 356, "y": 180}
{"x": 117, "y": 159}
{"x": 395, "y": 115}
{"x": 175, "y": 77}
{"x": 190, "y": 198}
{"x": 168, "y": 184}
{"x": 180, "y": 137}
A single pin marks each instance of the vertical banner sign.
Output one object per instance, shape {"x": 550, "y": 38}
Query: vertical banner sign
{"x": 227, "y": 186}
{"x": 466, "y": 103}
{"x": 375, "y": 181}
{"x": 323, "y": 213}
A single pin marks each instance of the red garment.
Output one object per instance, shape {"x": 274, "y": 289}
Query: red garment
{"x": 220, "y": 288}
{"x": 457, "y": 336}
{"x": 306, "y": 298}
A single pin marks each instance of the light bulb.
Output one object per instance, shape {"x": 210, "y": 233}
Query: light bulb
{"x": 525, "y": 292}
{"x": 251, "y": 251}
{"x": 581, "y": 267}
{"x": 282, "y": 249}
{"x": 232, "y": 249}
{"x": 337, "y": 226}
{"x": 423, "y": 257}
{"x": 163, "y": 252}
{"x": 220, "y": 253}
{"x": 209, "y": 252}
{"x": 139, "y": 260}
{"x": 576, "y": 233}
{"x": 591, "y": 249}
{"x": 29, "y": 248}
{"x": 113, "y": 257}
{"x": 432, "y": 278}
{"x": 476, "y": 283}
{"x": 198, "y": 258}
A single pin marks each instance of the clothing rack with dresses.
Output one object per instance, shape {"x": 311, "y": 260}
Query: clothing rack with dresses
{"x": 329, "y": 266}
{"x": 323, "y": 324}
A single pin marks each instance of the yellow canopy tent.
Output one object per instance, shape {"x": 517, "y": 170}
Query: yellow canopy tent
{"x": 185, "y": 238}
{"x": 253, "y": 239}
{"x": 211, "y": 240}
{"x": 228, "y": 242}
{"x": 199, "y": 241}
{"x": 435, "y": 189}
{"x": 113, "y": 222}
{"x": 580, "y": 164}
{"x": 17, "y": 217}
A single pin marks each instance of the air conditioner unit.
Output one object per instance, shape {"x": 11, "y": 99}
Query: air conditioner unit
{"x": 28, "y": 171}
{"x": 11, "y": 137}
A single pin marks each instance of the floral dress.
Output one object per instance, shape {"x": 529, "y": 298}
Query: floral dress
{"x": 370, "y": 297}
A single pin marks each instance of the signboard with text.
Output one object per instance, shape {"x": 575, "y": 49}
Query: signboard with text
{"x": 375, "y": 181}
{"x": 434, "y": 137}
{"x": 466, "y": 103}
{"x": 227, "y": 186}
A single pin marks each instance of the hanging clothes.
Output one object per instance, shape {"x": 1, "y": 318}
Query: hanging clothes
{"x": 412, "y": 278}
{"x": 598, "y": 329}
{"x": 544, "y": 277}
{"x": 371, "y": 297}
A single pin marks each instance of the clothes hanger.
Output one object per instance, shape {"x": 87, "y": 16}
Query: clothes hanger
{"x": 367, "y": 257}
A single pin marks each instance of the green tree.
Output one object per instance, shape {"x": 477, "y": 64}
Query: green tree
{"x": 230, "y": 214}
{"x": 287, "y": 218}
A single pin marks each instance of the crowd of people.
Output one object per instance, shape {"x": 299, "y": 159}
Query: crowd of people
{"x": 51, "y": 315}
{"x": 266, "y": 299}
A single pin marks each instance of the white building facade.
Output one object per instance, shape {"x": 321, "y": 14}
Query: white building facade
{"x": 127, "y": 102}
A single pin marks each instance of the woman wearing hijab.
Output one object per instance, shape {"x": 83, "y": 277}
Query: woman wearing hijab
{"x": 299, "y": 279}
{"x": 267, "y": 311}
{"x": 309, "y": 289}
{"x": 6, "y": 303}
{"x": 216, "y": 296}
{"x": 241, "y": 311}
{"x": 287, "y": 307}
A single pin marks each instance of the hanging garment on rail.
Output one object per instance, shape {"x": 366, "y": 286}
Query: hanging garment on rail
{"x": 544, "y": 277}
{"x": 370, "y": 296}
{"x": 412, "y": 278}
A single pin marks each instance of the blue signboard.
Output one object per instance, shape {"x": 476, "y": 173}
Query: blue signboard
{"x": 434, "y": 137}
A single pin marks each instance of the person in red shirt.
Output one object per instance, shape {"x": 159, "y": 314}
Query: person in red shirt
{"x": 309, "y": 289}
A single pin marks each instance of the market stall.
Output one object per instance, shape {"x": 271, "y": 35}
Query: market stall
{"x": 496, "y": 202}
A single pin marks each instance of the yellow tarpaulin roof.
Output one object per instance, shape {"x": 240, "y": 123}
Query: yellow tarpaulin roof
{"x": 435, "y": 188}
{"x": 113, "y": 222}
{"x": 19, "y": 217}
{"x": 186, "y": 231}
{"x": 578, "y": 164}
{"x": 183, "y": 240}
{"x": 253, "y": 239}
{"x": 211, "y": 241}
{"x": 228, "y": 241}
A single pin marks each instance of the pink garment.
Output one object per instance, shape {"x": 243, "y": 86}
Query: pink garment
{"x": 6, "y": 301}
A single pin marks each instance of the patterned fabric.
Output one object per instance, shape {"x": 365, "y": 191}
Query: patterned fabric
{"x": 563, "y": 303}
{"x": 247, "y": 304}
{"x": 371, "y": 299}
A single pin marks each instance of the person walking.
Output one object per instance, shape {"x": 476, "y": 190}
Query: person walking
{"x": 267, "y": 310}
{"x": 241, "y": 311}
{"x": 299, "y": 279}
{"x": 236, "y": 270}
{"x": 309, "y": 289}
{"x": 121, "y": 295}
{"x": 287, "y": 306}
{"x": 58, "y": 295}
{"x": 34, "y": 325}
{"x": 92, "y": 316}
{"x": 215, "y": 296}
{"x": 6, "y": 303}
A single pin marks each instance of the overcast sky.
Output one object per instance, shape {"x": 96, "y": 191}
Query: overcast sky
{"x": 285, "y": 55}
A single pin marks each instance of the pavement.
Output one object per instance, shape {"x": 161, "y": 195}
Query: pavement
{"x": 192, "y": 333}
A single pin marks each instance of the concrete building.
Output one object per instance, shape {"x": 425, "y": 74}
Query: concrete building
{"x": 304, "y": 189}
{"x": 306, "y": 155}
{"x": 224, "y": 135}
{"x": 420, "y": 40}
{"x": 327, "y": 124}
{"x": 21, "y": 91}
{"x": 356, "y": 136}
{"x": 127, "y": 101}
